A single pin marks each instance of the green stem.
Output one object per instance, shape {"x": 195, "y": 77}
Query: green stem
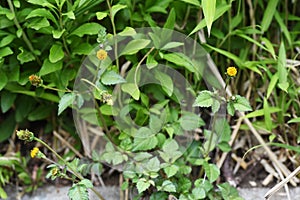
{"x": 114, "y": 32}
{"x": 25, "y": 38}
{"x": 67, "y": 164}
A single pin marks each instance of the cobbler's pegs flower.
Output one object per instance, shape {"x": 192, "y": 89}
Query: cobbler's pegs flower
{"x": 35, "y": 152}
{"x": 107, "y": 98}
{"x": 231, "y": 71}
{"x": 35, "y": 80}
{"x": 101, "y": 54}
{"x": 54, "y": 171}
{"x": 25, "y": 135}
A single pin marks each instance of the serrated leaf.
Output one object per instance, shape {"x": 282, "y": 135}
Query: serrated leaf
{"x": 65, "y": 101}
{"x": 241, "y": 104}
{"x": 153, "y": 165}
{"x": 212, "y": 172}
{"x": 87, "y": 29}
{"x": 171, "y": 170}
{"x": 215, "y": 106}
{"x": 155, "y": 124}
{"x": 168, "y": 186}
{"x": 144, "y": 139}
{"x": 131, "y": 89}
{"x": 87, "y": 183}
{"x": 209, "y": 9}
{"x": 78, "y": 192}
{"x": 134, "y": 46}
{"x": 49, "y": 67}
{"x": 204, "y": 99}
{"x": 111, "y": 78}
{"x": 190, "y": 121}
{"x": 199, "y": 193}
{"x": 165, "y": 81}
{"x": 142, "y": 185}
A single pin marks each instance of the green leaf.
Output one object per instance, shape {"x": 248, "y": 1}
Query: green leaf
{"x": 58, "y": 33}
{"x": 165, "y": 81}
{"x": 155, "y": 124}
{"x": 272, "y": 84}
{"x": 283, "y": 27}
{"x": 41, "y": 12}
{"x": 190, "y": 121}
{"x": 25, "y": 56}
{"x": 171, "y": 170}
{"x": 131, "y": 89}
{"x": 87, "y": 183}
{"x": 268, "y": 15}
{"x": 260, "y": 112}
{"x": 180, "y": 59}
{"x": 43, "y": 3}
{"x": 230, "y": 108}
{"x": 3, "y": 194}
{"x": 5, "y": 52}
{"x": 171, "y": 20}
{"x": 193, "y": 2}
{"x": 144, "y": 140}
{"x": 204, "y": 99}
{"x": 220, "y": 10}
{"x": 49, "y": 67}
{"x": 69, "y": 14}
{"x": 241, "y": 104}
{"x": 269, "y": 46}
{"x": 215, "y": 105}
{"x": 38, "y": 23}
{"x": 3, "y": 79}
{"x": 7, "y": 99}
{"x": 153, "y": 165}
{"x": 116, "y": 8}
{"x": 78, "y": 192}
{"x": 209, "y": 9}
{"x": 111, "y": 78}
{"x": 172, "y": 45}
{"x": 65, "y": 101}
{"x": 281, "y": 67}
{"x": 199, "y": 193}
{"x": 142, "y": 185}
{"x": 87, "y": 29}
{"x": 212, "y": 172}
{"x": 101, "y": 15}
{"x": 83, "y": 49}
{"x": 7, "y": 40}
{"x": 295, "y": 120}
{"x": 56, "y": 53}
{"x": 41, "y": 112}
{"x": 267, "y": 115}
{"x": 168, "y": 186}
{"x": 7, "y": 127}
{"x": 134, "y": 46}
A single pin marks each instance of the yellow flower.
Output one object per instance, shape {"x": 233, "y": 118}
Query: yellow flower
{"x": 231, "y": 71}
{"x": 101, "y": 54}
{"x": 34, "y": 152}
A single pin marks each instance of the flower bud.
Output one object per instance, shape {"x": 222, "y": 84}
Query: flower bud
{"x": 35, "y": 80}
{"x": 25, "y": 135}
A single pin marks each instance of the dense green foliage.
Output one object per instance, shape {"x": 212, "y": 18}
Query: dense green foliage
{"x": 53, "y": 38}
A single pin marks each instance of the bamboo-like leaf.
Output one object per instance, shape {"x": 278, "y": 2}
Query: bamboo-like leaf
{"x": 282, "y": 71}
{"x": 209, "y": 10}
{"x": 268, "y": 15}
{"x": 267, "y": 115}
{"x": 272, "y": 84}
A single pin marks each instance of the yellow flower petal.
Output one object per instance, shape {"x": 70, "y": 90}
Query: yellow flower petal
{"x": 231, "y": 71}
{"x": 101, "y": 54}
{"x": 34, "y": 152}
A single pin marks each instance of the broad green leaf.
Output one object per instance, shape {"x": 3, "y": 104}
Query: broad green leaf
{"x": 220, "y": 10}
{"x": 190, "y": 121}
{"x": 155, "y": 124}
{"x": 38, "y": 23}
{"x": 42, "y": 12}
{"x": 204, "y": 99}
{"x": 86, "y": 182}
{"x": 193, "y": 2}
{"x": 65, "y": 101}
{"x": 25, "y": 56}
{"x": 168, "y": 186}
{"x": 87, "y": 29}
{"x": 230, "y": 108}
{"x": 199, "y": 193}
{"x": 267, "y": 115}
{"x": 5, "y": 52}
{"x": 131, "y": 89}
{"x": 241, "y": 104}
{"x": 281, "y": 67}
{"x": 142, "y": 185}
{"x": 3, "y": 79}
{"x": 49, "y": 67}
{"x": 111, "y": 78}
{"x": 171, "y": 20}
{"x": 101, "y": 15}
{"x": 116, "y": 8}
{"x": 153, "y": 165}
{"x": 128, "y": 31}
{"x": 3, "y": 194}
{"x": 144, "y": 139}
{"x": 181, "y": 60}
{"x": 171, "y": 170}
{"x": 58, "y": 33}
{"x": 7, "y": 127}
{"x": 69, "y": 14}
{"x": 295, "y": 120}
{"x": 212, "y": 172}
{"x": 134, "y": 46}
{"x": 170, "y": 145}
{"x": 272, "y": 84}
{"x": 7, "y": 99}
{"x": 56, "y": 53}
{"x": 7, "y": 40}
{"x": 83, "y": 49}
{"x": 172, "y": 45}
{"x": 268, "y": 15}
{"x": 78, "y": 192}
{"x": 165, "y": 82}
{"x": 209, "y": 9}
{"x": 41, "y": 112}
{"x": 44, "y": 3}
{"x": 215, "y": 106}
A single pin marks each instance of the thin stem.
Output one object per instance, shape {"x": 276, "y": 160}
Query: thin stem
{"x": 140, "y": 63}
{"x": 25, "y": 38}
{"x": 67, "y": 164}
